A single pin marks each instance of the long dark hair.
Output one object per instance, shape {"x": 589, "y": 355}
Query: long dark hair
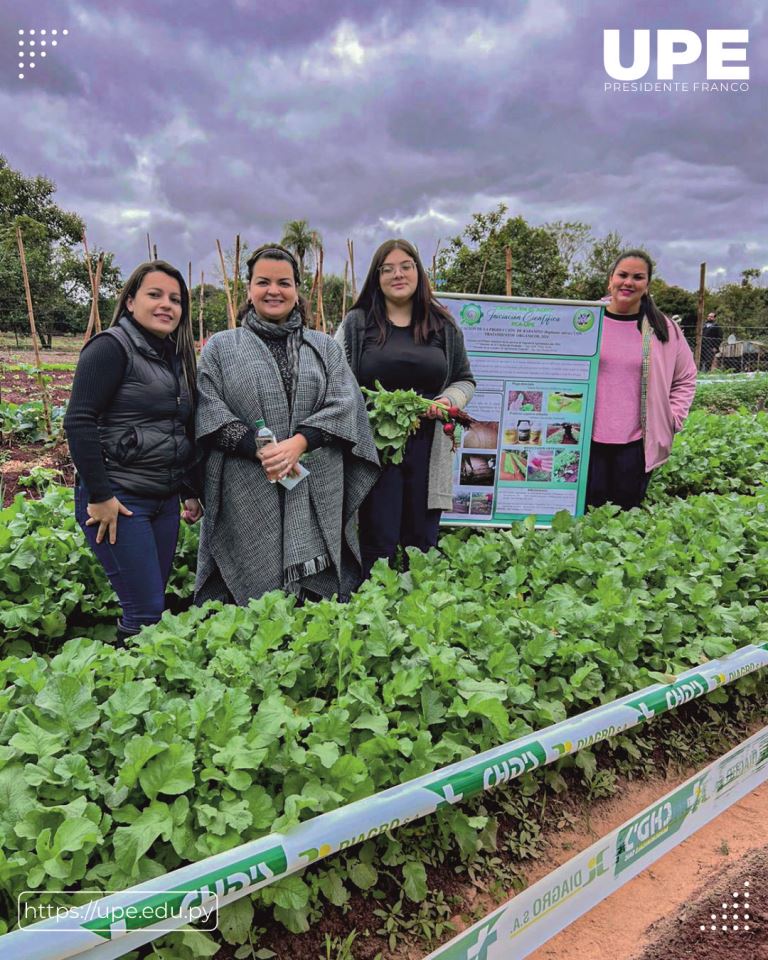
{"x": 427, "y": 315}
{"x": 275, "y": 251}
{"x": 648, "y": 308}
{"x": 182, "y": 336}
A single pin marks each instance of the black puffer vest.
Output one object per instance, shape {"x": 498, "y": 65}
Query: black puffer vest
{"x": 143, "y": 432}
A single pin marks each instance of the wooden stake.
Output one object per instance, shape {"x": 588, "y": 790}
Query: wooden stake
{"x": 149, "y": 249}
{"x": 313, "y": 288}
{"x": 434, "y": 265}
{"x": 154, "y": 251}
{"x": 320, "y": 309}
{"x": 700, "y": 314}
{"x": 88, "y": 263}
{"x": 33, "y": 332}
{"x": 91, "y": 321}
{"x": 200, "y": 315}
{"x": 351, "y": 251}
{"x": 236, "y": 276}
{"x": 344, "y": 292}
{"x": 96, "y": 292}
{"x": 508, "y": 253}
{"x": 231, "y": 320}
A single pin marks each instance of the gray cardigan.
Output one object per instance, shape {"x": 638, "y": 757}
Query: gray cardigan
{"x": 459, "y": 388}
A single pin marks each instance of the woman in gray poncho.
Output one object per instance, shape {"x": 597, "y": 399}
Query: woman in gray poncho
{"x": 257, "y": 535}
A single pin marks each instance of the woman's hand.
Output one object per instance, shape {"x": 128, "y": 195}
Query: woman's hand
{"x": 106, "y": 514}
{"x": 192, "y": 510}
{"x": 279, "y": 459}
{"x": 435, "y": 411}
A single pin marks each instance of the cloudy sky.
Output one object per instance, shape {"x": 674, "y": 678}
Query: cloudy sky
{"x": 198, "y": 120}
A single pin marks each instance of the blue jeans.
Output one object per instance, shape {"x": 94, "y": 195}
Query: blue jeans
{"x": 138, "y": 564}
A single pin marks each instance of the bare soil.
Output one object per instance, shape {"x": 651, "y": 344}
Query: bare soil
{"x": 726, "y": 919}
{"x": 18, "y": 386}
{"x": 658, "y": 914}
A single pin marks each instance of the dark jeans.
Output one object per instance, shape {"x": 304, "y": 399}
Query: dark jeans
{"x": 617, "y": 474}
{"x": 395, "y": 511}
{"x": 138, "y": 564}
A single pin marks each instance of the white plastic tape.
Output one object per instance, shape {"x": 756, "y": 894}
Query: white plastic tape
{"x": 534, "y": 916}
{"x": 127, "y": 920}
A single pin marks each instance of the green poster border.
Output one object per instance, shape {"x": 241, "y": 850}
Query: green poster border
{"x": 544, "y": 519}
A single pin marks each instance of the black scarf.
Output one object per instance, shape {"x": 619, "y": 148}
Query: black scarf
{"x": 291, "y": 330}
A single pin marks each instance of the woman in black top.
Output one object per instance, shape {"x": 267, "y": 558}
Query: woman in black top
{"x": 129, "y": 424}
{"x": 398, "y": 334}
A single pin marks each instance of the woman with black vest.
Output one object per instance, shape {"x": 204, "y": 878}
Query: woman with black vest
{"x": 130, "y": 428}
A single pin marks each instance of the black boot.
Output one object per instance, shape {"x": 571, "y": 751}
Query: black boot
{"x": 123, "y": 633}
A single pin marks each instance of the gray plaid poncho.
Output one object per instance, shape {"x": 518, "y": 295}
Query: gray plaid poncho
{"x": 256, "y": 535}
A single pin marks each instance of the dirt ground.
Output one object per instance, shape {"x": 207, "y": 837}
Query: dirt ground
{"x": 18, "y": 386}
{"x": 658, "y": 914}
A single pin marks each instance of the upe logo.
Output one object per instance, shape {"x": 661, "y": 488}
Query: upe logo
{"x": 678, "y": 48}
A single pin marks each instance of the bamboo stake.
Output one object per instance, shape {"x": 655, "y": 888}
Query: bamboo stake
{"x": 200, "y": 315}
{"x": 236, "y": 276}
{"x": 700, "y": 314}
{"x": 88, "y": 263}
{"x": 91, "y": 322}
{"x": 154, "y": 251}
{"x": 508, "y": 252}
{"x": 33, "y": 332}
{"x": 434, "y": 265}
{"x": 189, "y": 290}
{"x": 344, "y": 291}
{"x": 320, "y": 308}
{"x": 91, "y": 316}
{"x": 149, "y": 249}
{"x": 351, "y": 251}
{"x": 96, "y": 291}
{"x": 313, "y": 289}
{"x": 231, "y": 322}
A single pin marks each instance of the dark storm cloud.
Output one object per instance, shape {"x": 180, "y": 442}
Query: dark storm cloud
{"x": 200, "y": 120}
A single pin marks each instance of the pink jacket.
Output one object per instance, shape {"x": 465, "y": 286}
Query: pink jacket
{"x": 670, "y": 387}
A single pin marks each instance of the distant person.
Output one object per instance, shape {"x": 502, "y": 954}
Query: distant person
{"x": 711, "y": 338}
{"x": 645, "y": 385}
{"x": 397, "y": 333}
{"x": 130, "y": 427}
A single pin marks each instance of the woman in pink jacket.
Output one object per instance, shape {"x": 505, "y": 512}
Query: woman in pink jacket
{"x": 645, "y": 386}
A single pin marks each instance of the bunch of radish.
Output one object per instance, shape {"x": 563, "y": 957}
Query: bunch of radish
{"x": 452, "y": 417}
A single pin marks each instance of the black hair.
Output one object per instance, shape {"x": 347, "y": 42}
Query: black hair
{"x": 427, "y": 314}
{"x": 648, "y": 308}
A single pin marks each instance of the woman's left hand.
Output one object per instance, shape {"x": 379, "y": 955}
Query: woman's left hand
{"x": 192, "y": 510}
{"x": 279, "y": 459}
{"x": 435, "y": 411}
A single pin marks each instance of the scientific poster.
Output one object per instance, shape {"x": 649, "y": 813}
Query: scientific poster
{"x": 527, "y": 453}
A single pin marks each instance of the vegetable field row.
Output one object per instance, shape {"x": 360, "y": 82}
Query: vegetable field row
{"x": 223, "y": 724}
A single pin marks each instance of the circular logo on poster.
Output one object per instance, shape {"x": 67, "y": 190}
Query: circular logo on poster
{"x": 471, "y": 314}
{"x": 583, "y": 320}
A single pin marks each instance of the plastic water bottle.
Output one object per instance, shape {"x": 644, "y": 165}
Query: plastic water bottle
{"x": 264, "y": 436}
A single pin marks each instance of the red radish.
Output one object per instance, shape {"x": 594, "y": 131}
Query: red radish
{"x": 449, "y": 428}
{"x": 453, "y": 411}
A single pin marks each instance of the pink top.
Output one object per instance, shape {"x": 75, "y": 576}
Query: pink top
{"x": 617, "y": 402}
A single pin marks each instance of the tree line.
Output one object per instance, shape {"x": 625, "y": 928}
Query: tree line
{"x": 562, "y": 259}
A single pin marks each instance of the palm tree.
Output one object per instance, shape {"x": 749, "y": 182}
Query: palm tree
{"x": 300, "y": 240}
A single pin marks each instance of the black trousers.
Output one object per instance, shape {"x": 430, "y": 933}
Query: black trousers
{"x": 617, "y": 474}
{"x": 395, "y": 511}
